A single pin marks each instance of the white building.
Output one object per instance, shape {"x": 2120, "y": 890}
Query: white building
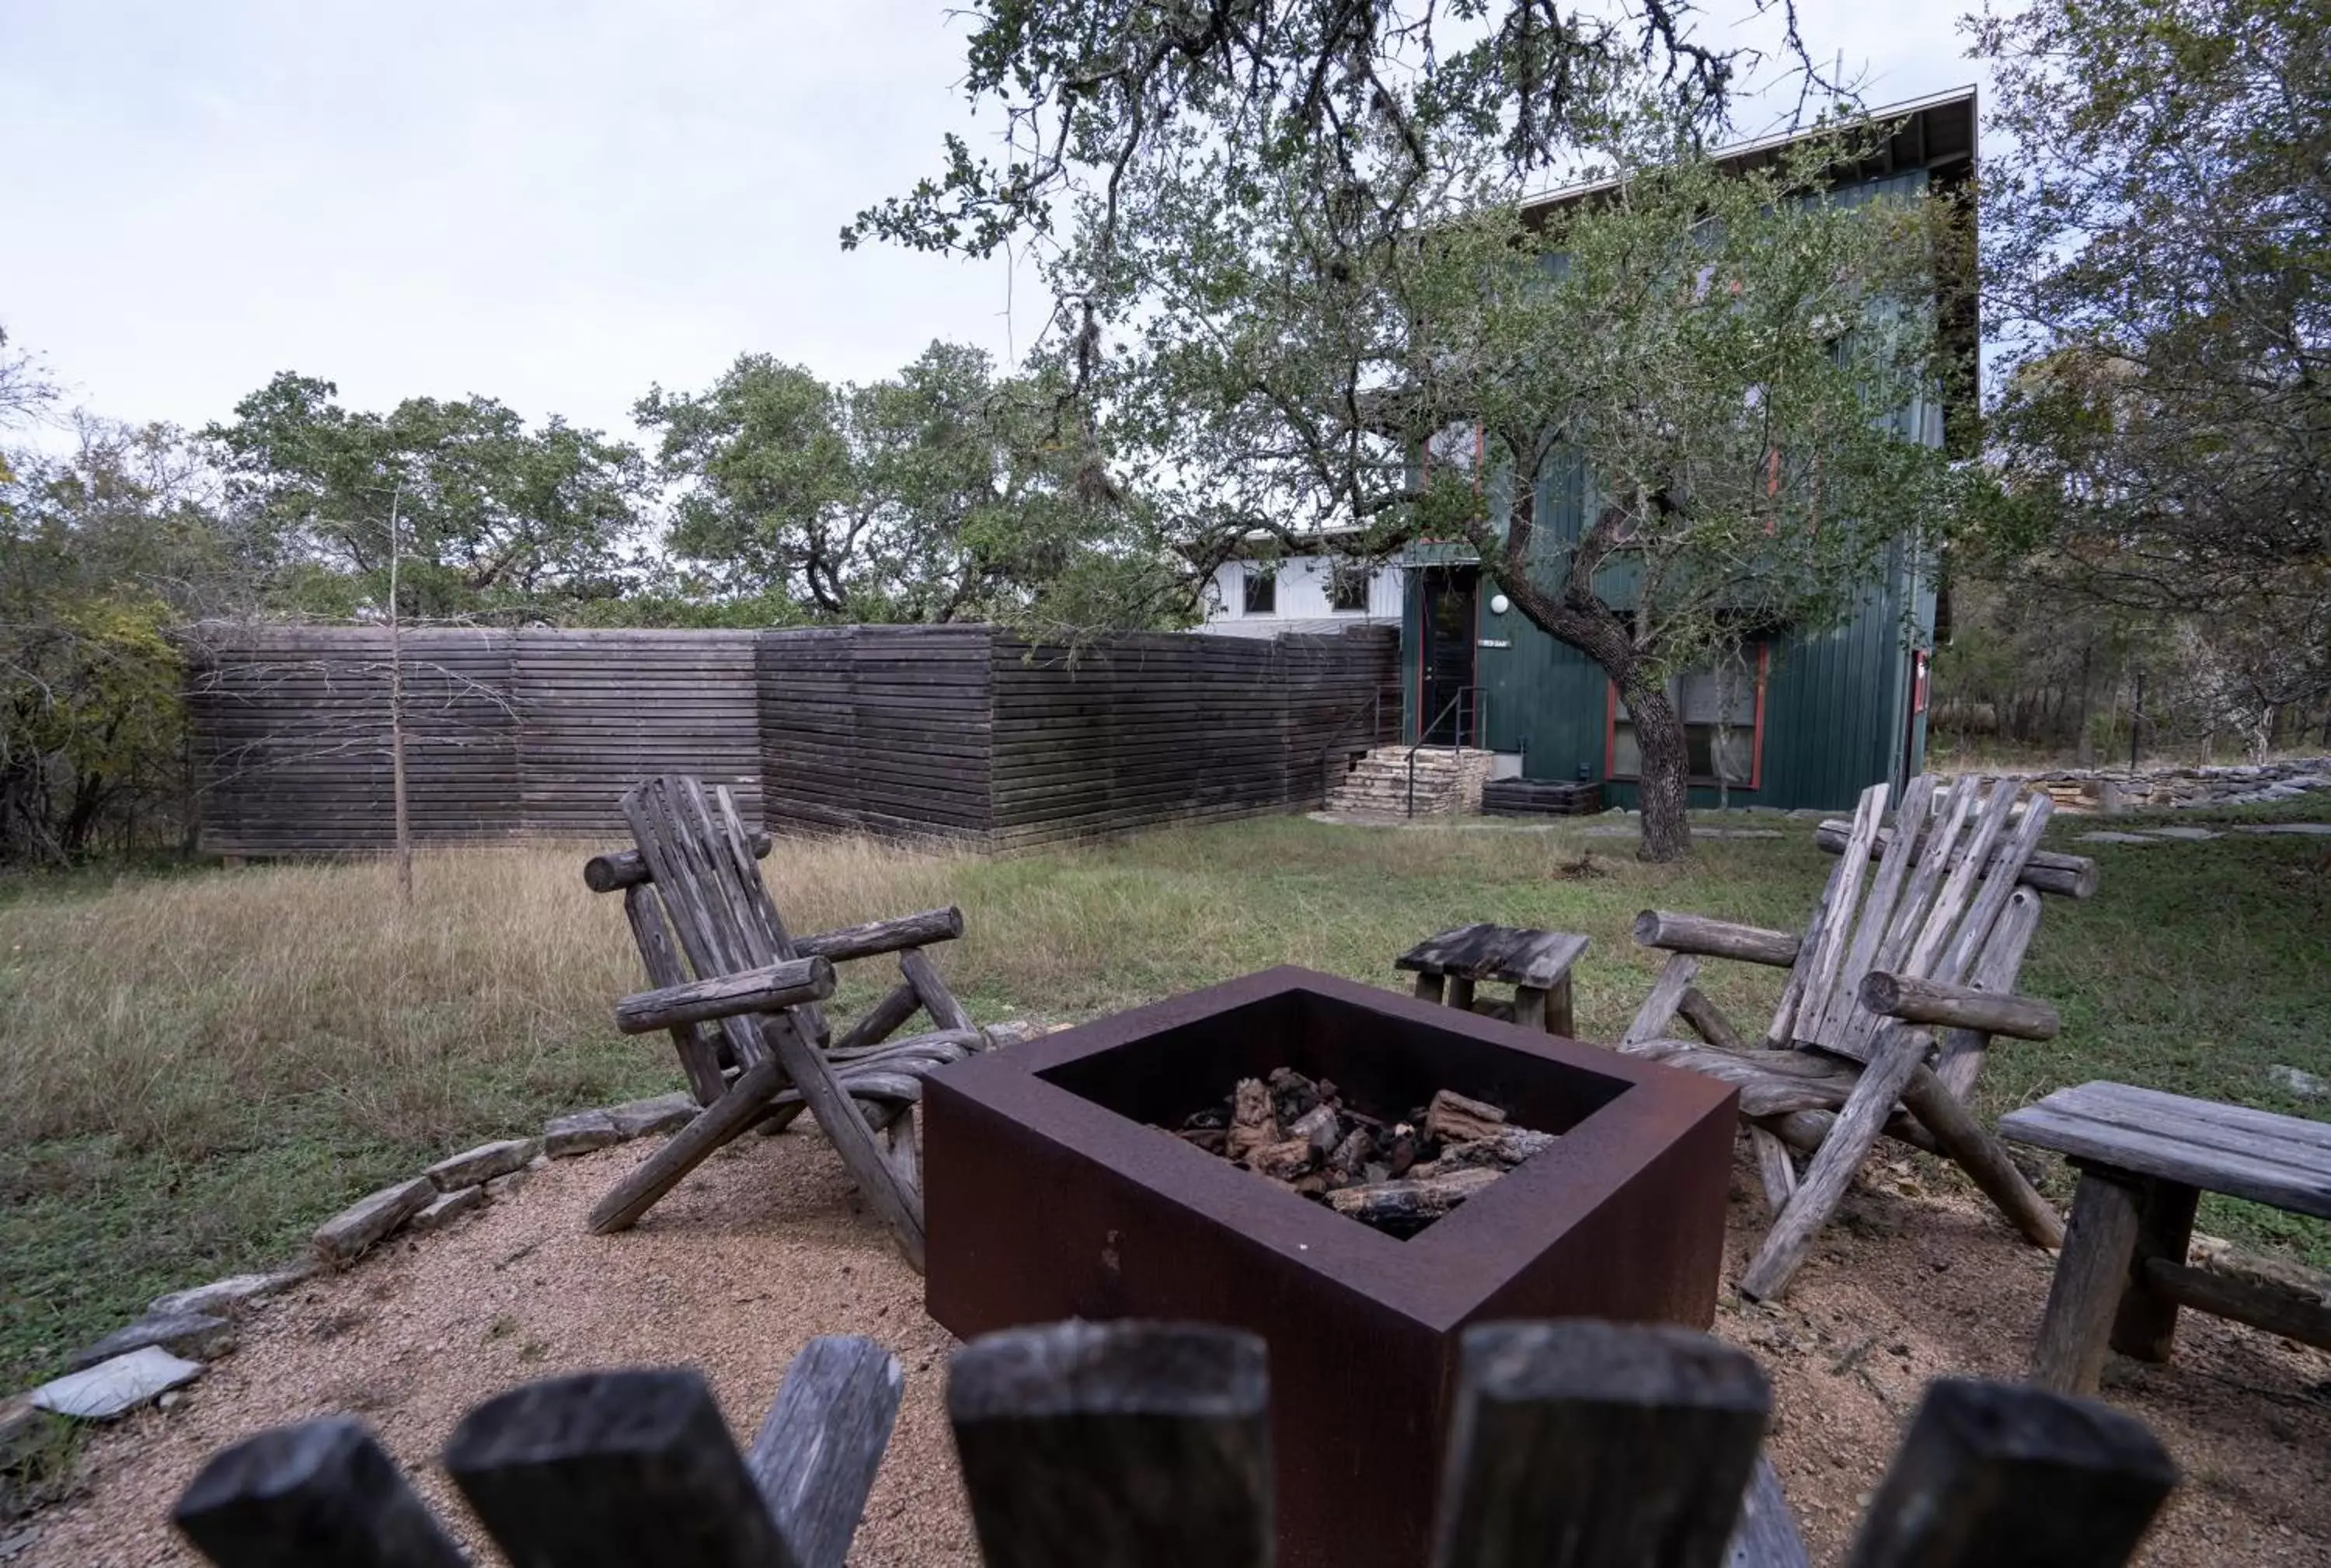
{"x": 1281, "y": 589}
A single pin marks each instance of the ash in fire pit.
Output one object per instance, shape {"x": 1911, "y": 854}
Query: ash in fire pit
{"x": 1396, "y": 1175}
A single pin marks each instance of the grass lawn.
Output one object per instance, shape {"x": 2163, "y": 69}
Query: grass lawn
{"x": 197, "y": 1068}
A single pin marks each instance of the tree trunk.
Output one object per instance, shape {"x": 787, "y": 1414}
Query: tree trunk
{"x": 1666, "y": 770}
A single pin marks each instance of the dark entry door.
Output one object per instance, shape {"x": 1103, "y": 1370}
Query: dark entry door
{"x": 1448, "y": 656}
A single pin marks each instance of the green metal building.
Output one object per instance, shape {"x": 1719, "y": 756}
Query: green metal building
{"x": 1813, "y": 717}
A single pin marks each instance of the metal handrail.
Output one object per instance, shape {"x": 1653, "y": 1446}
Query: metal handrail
{"x": 1373, "y": 706}
{"x": 1456, "y": 702}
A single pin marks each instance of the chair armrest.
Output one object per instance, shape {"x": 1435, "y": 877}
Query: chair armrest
{"x": 786, "y": 984}
{"x": 883, "y": 935}
{"x": 1716, "y": 938}
{"x": 1915, "y": 1001}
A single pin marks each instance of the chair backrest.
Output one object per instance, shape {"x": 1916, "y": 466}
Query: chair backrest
{"x": 1941, "y": 903}
{"x": 701, "y": 855}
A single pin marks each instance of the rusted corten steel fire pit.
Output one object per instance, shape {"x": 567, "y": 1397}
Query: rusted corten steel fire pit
{"x": 1051, "y": 1193}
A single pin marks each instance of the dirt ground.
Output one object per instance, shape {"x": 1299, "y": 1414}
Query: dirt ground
{"x": 765, "y": 1247}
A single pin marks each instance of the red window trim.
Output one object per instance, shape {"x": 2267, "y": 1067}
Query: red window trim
{"x": 1611, "y": 772}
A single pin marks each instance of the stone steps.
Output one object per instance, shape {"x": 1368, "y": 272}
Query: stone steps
{"x": 1378, "y": 784}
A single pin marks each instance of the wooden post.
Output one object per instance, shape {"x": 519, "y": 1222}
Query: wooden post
{"x": 1766, "y": 1535}
{"x": 1429, "y": 987}
{"x": 814, "y": 1458}
{"x": 1547, "y": 1415}
{"x": 2091, "y": 1277}
{"x": 318, "y": 1492}
{"x": 1994, "y": 1476}
{"x": 396, "y": 710}
{"x": 1116, "y": 1445}
{"x": 2145, "y": 1327}
{"x": 610, "y": 1469}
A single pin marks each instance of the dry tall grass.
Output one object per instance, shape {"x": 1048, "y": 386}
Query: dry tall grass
{"x": 174, "y": 1012}
{"x": 196, "y": 1069}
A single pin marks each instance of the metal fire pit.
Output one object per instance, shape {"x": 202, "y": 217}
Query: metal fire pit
{"x": 1050, "y": 1193}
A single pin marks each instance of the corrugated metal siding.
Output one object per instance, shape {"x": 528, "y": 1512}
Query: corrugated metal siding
{"x": 1836, "y": 701}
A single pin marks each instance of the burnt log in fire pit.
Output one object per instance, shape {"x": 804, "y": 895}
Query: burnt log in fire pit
{"x": 1052, "y": 1193}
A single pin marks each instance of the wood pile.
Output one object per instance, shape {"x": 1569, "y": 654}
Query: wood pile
{"x": 1397, "y": 1174}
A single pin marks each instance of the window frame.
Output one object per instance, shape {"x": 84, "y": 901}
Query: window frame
{"x": 1354, "y": 574}
{"x": 1693, "y": 781}
{"x": 1249, "y": 578}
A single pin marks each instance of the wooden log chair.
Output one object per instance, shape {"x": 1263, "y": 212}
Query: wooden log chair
{"x": 773, "y": 1054}
{"x": 1894, "y": 995}
{"x": 1148, "y": 1445}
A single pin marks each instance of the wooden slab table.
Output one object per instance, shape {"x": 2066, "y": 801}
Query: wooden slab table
{"x": 2145, "y": 1159}
{"x": 1536, "y": 964}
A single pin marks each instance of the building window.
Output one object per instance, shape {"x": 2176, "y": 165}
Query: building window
{"x": 1347, "y": 587}
{"x": 1261, "y": 591}
{"x": 1723, "y": 709}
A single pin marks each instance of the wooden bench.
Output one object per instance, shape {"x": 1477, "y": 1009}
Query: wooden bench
{"x": 1536, "y": 964}
{"x": 2145, "y": 1159}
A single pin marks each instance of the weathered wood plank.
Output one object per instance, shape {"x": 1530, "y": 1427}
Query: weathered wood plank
{"x": 1716, "y": 938}
{"x": 1915, "y": 1001}
{"x": 2047, "y": 872}
{"x": 322, "y": 1491}
{"x": 917, "y": 930}
{"x": 1997, "y": 1476}
{"x": 1065, "y": 1433}
{"x": 814, "y": 1458}
{"x": 787, "y": 983}
{"x": 2275, "y": 1160}
{"x": 610, "y": 1469}
{"x": 1766, "y": 1535}
{"x": 1546, "y": 1416}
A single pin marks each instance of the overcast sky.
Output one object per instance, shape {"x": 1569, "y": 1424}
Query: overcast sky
{"x": 553, "y": 203}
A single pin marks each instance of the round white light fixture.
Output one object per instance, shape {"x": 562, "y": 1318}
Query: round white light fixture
{"x": 1499, "y": 603}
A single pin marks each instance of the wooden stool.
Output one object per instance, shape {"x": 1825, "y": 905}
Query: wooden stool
{"x": 1536, "y": 964}
{"x": 2144, "y": 1158}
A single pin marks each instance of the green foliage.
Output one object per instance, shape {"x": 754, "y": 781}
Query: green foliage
{"x": 2157, "y": 269}
{"x": 492, "y": 518}
{"x": 946, "y": 493}
{"x": 102, "y": 556}
{"x": 1300, "y": 254}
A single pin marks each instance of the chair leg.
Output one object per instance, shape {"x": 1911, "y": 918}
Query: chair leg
{"x": 1659, "y": 1009}
{"x": 1859, "y": 1123}
{"x": 688, "y": 1148}
{"x": 1982, "y": 1157}
{"x": 2145, "y": 1327}
{"x": 2091, "y": 1277}
{"x": 837, "y": 1114}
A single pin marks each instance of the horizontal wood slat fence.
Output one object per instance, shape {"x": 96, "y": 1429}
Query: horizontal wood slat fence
{"x": 964, "y": 732}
